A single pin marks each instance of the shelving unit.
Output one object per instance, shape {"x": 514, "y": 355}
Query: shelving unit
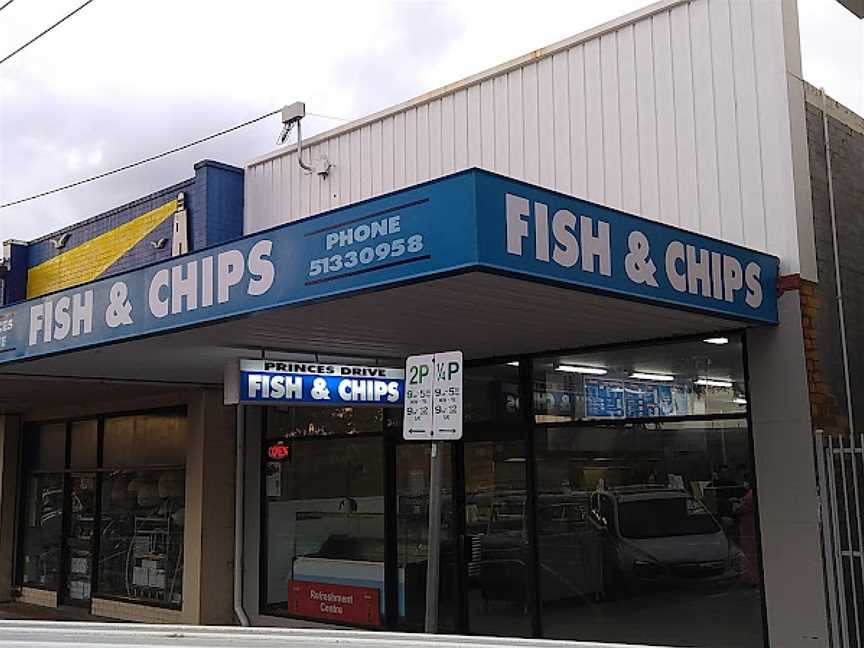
{"x": 154, "y": 561}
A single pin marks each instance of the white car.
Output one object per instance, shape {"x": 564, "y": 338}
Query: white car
{"x": 659, "y": 534}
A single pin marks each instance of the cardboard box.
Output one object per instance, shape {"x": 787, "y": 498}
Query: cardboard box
{"x": 157, "y": 578}
{"x": 139, "y": 576}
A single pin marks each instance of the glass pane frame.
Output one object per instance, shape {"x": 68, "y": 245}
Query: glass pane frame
{"x": 83, "y": 464}
{"x": 523, "y": 428}
{"x": 276, "y": 436}
{"x": 671, "y": 379}
{"x": 744, "y": 564}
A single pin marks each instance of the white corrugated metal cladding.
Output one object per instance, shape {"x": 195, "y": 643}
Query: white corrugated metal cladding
{"x": 678, "y": 113}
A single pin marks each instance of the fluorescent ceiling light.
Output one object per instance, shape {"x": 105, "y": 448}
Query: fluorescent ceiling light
{"x": 515, "y": 460}
{"x": 513, "y": 363}
{"x": 709, "y": 382}
{"x": 594, "y": 371}
{"x": 639, "y": 375}
{"x": 716, "y": 340}
{"x": 739, "y": 401}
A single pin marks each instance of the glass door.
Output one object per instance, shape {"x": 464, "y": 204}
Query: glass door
{"x": 78, "y": 539}
{"x": 497, "y": 557}
{"x": 412, "y": 524}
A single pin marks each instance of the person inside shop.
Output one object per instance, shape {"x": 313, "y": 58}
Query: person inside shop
{"x": 726, "y": 488}
{"x": 744, "y": 508}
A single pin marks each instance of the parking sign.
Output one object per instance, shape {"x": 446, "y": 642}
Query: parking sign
{"x": 433, "y": 397}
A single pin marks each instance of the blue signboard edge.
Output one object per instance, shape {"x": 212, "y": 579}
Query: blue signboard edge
{"x": 537, "y": 277}
{"x": 419, "y": 278}
{"x": 647, "y": 221}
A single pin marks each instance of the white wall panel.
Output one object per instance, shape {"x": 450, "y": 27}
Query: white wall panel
{"x": 752, "y": 199}
{"x": 649, "y": 182}
{"x": 460, "y": 129}
{"x": 387, "y": 183}
{"x": 516, "y": 125}
{"x": 435, "y": 139}
{"x": 532, "y": 117}
{"x": 685, "y": 121}
{"x": 448, "y": 124}
{"x": 729, "y": 170}
{"x": 667, "y": 136}
{"x": 399, "y": 150}
{"x": 562, "y": 116}
{"x": 594, "y": 122}
{"x": 578, "y": 135}
{"x": 424, "y": 145}
{"x": 546, "y": 122}
{"x": 629, "y": 117}
{"x": 706, "y": 124}
{"x": 679, "y": 114}
{"x": 411, "y": 147}
{"x": 610, "y": 101}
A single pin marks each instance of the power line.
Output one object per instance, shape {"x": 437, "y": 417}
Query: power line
{"x": 132, "y": 165}
{"x": 342, "y": 119}
{"x": 151, "y": 158}
{"x": 6, "y": 4}
{"x": 38, "y": 36}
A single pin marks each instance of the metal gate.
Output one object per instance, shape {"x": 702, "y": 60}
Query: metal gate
{"x": 841, "y": 496}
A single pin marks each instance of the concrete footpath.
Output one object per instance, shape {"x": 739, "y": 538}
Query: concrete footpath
{"x": 26, "y": 612}
{"x": 27, "y": 634}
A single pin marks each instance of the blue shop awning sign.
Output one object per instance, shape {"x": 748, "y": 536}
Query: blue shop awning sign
{"x": 470, "y": 221}
{"x": 263, "y": 382}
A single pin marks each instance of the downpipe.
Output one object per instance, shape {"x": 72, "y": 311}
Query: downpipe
{"x": 239, "y": 514}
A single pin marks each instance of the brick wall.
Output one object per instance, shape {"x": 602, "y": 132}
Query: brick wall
{"x": 214, "y": 205}
{"x": 818, "y": 300}
{"x": 130, "y": 612}
{"x": 34, "y": 596}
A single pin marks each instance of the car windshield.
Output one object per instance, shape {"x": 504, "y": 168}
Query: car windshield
{"x": 662, "y": 517}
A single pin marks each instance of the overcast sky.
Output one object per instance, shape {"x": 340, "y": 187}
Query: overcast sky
{"x": 124, "y": 79}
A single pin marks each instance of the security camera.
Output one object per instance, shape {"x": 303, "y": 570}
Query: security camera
{"x": 293, "y": 113}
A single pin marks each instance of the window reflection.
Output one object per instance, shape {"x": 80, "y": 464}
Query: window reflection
{"x": 325, "y": 531}
{"x": 647, "y": 534}
{"x": 43, "y": 528}
{"x": 692, "y": 378}
{"x": 141, "y": 543}
{"x": 137, "y": 526}
{"x": 495, "y": 523}
{"x": 412, "y": 511}
{"x": 300, "y": 422}
{"x": 492, "y": 393}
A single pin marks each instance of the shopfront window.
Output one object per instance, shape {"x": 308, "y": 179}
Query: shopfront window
{"x": 413, "y": 462}
{"x": 496, "y": 525}
{"x": 83, "y": 444}
{"x": 619, "y": 508}
{"x": 324, "y": 519}
{"x": 141, "y": 546}
{"x": 143, "y": 508}
{"x": 42, "y": 530}
{"x": 116, "y": 524}
{"x": 646, "y": 534}
{"x": 151, "y": 439}
{"x": 694, "y": 378}
{"x": 492, "y": 393}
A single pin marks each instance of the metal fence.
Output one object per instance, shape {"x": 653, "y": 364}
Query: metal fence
{"x": 841, "y": 496}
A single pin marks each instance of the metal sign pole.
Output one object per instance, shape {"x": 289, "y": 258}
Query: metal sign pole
{"x": 433, "y": 571}
{"x": 433, "y": 411}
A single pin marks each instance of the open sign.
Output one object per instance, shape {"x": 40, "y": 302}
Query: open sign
{"x": 278, "y": 452}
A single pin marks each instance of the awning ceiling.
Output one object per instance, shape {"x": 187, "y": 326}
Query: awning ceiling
{"x": 485, "y": 315}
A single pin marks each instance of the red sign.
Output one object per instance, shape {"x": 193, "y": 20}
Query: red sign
{"x": 339, "y": 603}
{"x": 278, "y": 451}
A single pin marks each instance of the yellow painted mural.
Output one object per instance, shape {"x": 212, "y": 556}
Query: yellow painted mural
{"x": 89, "y": 260}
